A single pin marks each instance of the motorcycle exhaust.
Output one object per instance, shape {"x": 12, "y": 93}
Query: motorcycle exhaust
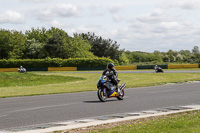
{"x": 122, "y": 86}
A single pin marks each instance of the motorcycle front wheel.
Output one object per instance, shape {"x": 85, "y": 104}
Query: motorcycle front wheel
{"x": 101, "y": 96}
{"x": 121, "y": 97}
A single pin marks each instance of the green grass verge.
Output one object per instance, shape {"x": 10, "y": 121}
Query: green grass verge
{"x": 41, "y": 83}
{"x": 31, "y": 79}
{"x": 187, "y": 122}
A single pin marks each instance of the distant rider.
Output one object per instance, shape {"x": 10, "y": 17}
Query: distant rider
{"x": 158, "y": 69}
{"x": 155, "y": 67}
{"x": 21, "y": 69}
{"x": 111, "y": 73}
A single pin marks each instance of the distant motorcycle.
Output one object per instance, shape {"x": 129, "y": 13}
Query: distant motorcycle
{"x": 159, "y": 69}
{"x": 107, "y": 90}
{"x": 21, "y": 69}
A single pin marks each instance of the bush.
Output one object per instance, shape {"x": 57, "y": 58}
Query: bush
{"x": 55, "y": 62}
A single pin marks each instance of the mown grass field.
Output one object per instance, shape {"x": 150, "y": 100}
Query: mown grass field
{"x": 187, "y": 122}
{"x": 14, "y": 84}
{"x": 31, "y": 79}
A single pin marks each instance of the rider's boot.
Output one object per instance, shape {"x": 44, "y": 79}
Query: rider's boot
{"x": 118, "y": 89}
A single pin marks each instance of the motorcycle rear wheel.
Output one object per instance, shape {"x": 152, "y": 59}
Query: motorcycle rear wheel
{"x": 100, "y": 95}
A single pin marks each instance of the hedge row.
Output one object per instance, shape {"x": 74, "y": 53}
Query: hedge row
{"x": 55, "y": 62}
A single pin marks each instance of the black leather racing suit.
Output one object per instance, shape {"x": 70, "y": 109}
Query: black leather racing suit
{"x": 112, "y": 75}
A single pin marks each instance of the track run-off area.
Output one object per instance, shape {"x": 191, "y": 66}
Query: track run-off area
{"x": 19, "y": 112}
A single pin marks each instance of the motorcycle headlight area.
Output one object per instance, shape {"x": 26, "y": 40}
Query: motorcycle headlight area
{"x": 102, "y": 81}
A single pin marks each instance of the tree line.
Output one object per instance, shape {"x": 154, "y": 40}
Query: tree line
{"x": 182, "y": 56}
{"x": 56, "y": 43}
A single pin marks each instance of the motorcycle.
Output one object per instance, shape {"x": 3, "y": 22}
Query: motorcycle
{"x": 107, "y": 90}
{"x": 159, "y": 69}
{"x": 21, "y": 70}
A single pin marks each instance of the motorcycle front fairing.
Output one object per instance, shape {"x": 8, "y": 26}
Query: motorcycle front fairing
{"x": 104, "y": 84}
{"x": 100, "y": 83}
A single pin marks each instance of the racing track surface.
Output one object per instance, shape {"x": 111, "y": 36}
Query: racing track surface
{"x": 32, "y": 110}
{"x": 142, "y": 71}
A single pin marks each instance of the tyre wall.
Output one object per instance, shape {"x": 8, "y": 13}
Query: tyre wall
{"x": 126, "y": 67}
{"x": 183, "y": 66}
{"x": 151, "y": 66}
{"x": 139, "y": 67}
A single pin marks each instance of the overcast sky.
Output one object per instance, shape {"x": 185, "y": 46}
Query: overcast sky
{"x": 137, "y": 25}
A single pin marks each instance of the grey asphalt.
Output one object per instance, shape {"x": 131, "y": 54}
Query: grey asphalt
{"x": 32, "y": 110}
{"x": 139, "y": 71}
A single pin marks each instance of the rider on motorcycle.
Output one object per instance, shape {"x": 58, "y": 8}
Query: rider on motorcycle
{"x": 111, "y": 73}
{"x": 21, "y": 69}
{"x": 155, "y": 67}
{"x": 158, "y": 69}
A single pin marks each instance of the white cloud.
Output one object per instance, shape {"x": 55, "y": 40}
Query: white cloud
{"x": 157, "y": 31}
{"x": 55, "y": 23}
{"x": 37, "y": 1}
{"x": 86, "y": 29}
{"x": 95, "y": 10}
{"x": 156, "y": 16}
{"x": 66, "y": 10}
{"x": 43, "y": 14}
{"x": 182, "y": 4}
{"x": 72, "y": 28}
{"x": 100, "y": 13}
{"x": 58, "y": 24}
{"x": 115, "y": 8}
{"x": 11, "y": 17}
{"x": 117, "y": 18}
{"x": 60, "y": 11}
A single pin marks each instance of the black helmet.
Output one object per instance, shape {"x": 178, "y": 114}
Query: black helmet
{"x": 110, "y": 65}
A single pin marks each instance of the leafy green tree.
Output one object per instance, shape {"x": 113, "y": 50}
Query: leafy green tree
{"x": 4, "y": 43}
{"x": 57, "y": 43}
{"x": 34, "y": 50}
{"x": 186, "y": 54}
{"x": 16, "y": 45}
{"x": 172, "y": 55}
{"x": 138, "y": 56}
{"x": 195, "y": 50}
{"x": 103, "y": 47}
{"x": 123, "y": 59}
{"x": 38, "y": 34}
{"x": 80, "y": 47}
{"x": 60, "y": 45}
{"x": 196, "y": 58}
{"x": 129, "y": 56}
{"x": 179, "y": 58}
{"x": 165, "y": 58}
{"x": 157, "y": 53}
